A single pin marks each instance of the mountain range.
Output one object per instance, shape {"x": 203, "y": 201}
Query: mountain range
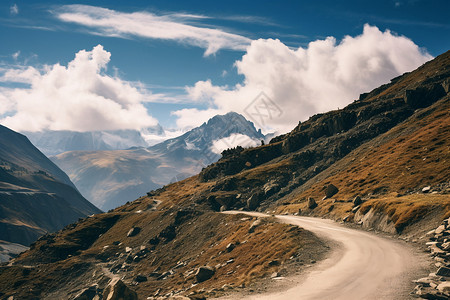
{"x": 53, "y": 142}
{"x": 111, "y": 178}
{"x": 36, "y": 197}
{"x": 381, "y": 163}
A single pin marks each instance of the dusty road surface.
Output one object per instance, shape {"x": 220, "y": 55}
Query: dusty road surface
{"x": 362, "y": 266}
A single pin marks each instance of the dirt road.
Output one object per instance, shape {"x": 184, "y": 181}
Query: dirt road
{"x": 363, "y": 266}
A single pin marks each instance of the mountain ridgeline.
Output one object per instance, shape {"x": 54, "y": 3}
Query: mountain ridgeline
{"x": 36, "y": 196}
{"x": 111, "y": 178}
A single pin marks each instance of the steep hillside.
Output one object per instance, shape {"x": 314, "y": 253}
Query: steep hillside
{"x": 111, "y": 178}
{"x": 382, "y": 162}
{"x": 35, "y": 195}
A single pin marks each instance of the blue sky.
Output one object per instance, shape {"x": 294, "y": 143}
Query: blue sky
{"x": 180, "y": 56}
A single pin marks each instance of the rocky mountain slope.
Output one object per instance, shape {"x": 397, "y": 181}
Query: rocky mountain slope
{"x": 111, "y": 178}
{"x": 36, "y": 196}
{"x": 382, "y": 163}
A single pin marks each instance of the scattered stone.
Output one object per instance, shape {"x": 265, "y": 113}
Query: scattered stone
{"x": 311, "y": 203}
{"x": 426, "y": 189}
{"x": 230, "y": 247}
{"x": 117, "y": 290}
{"x": 133, "y": 231}
{"x": 357, "y": 201}
{"x": 204, "y": 273}
{"x": 331, "y": 190}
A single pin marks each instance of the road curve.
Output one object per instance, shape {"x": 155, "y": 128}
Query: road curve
{"x": 364, "y": 266}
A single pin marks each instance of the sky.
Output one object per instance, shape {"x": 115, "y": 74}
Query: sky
{"x": 107, "y": 65}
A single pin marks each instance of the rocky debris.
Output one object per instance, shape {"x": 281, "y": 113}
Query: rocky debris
{"x": 437, "y": 285}
{"x": 331, "y": 190}
{"x": 357, "y": 201}
{"x": 311, "y": 203}
{"x": 133, "y": 231}
{"x": 204, "y": 273}
{"x": 117, "y": 290}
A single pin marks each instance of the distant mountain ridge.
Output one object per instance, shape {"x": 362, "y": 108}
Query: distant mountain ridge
{"x": 111, "y": 178}
{"x": 52, "y": 142}
{"x": 35, "y": 195}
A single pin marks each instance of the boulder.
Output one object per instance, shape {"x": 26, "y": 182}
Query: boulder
{"x": 230, "y": 247}
{"x": 444, "y": 287}
{"x": 357, "y": 201}
{"x": 87, "y": 294}
{"x": 133, "y": 231}
{"x": 117, "y": 290}
{"x": 140, "y": 278}
{"x": 254, "y": 225}
{"x": 311, "y": 203}
{"x": 204, "y": 273}
{"x": 252, "y": 202}
{"x": 426, "y": 189}
{"x": 331, "y": 190}
{"x": 443, "y": 271}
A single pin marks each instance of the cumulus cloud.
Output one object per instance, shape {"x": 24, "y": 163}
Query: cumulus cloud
{"x": 176, "y": 27}
{"x": 79, "y": 97}
{"x": 325, "y": 75}
{"x": 189, "y": 118}
{"x": 236, "y": 139}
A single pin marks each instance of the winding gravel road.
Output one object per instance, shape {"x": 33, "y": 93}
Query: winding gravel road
{"x": 362, "y": 266}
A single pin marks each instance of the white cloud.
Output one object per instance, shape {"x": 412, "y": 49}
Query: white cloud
{"x": 189, "y": 118}
{"x": 174, "y": 27}
{"x": 14, "y": 9}
{"x": 78, "y": 97}
{"x": 15, "y": 55}
{"x": 305, "y": 81}
{"x": 236, "y": 139}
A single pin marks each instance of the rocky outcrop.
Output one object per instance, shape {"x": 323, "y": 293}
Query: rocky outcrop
{"x": 117, "y": 290}
{"x": 437, "y": 285}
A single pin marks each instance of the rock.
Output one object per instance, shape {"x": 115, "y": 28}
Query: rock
{"x": 133, "y": 231}
{"x": 426, "y": 189}
{"x": 355, "y": 209}
{"x": 357, "y": 201}
{"x": 204, "y": 273}
{"x": 230, "y": 247}
{"x": 140, "y": 278}
{"x": 252, "y": 202}
{"x": 444, "y": 287}
{"x": 331, "y": 190}
{"x": 311, "y": 203}
{"x": 274, "y": 263}
{"x": 440, "y": 229}
{"x": 254, "y": 225}
{"x": 128, "y": 249}
{"x": 443, "y": 271}
{"x": 87, "y": 294}
{"x": 223, "y": 208}
{"x": 117, "y": 290}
